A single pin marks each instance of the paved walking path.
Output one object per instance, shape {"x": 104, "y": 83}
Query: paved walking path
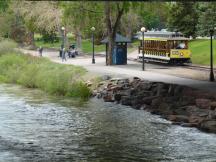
{"x": 130, "y": 70}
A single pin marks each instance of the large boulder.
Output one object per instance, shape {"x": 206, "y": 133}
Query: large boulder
{"x": 178, "y": 90}
{"x": 165, "y": 109}
{"x": 108, "y": 98}
{"x": 186, "y": 100}
{"x": 125, "y": 100}
{"x": 208, "y": 125}
{"x": 195, "y": 111}
{"x": 213, "y": 105}
{"x": 156, "y": 102}
{"x": 125, "y": 92}
{"x": 148, "y": 100}
{"x": 117, "y": 97}
{"x": 178, "y": 118}
{"x": 195, "y": 119}
{"x": 203, "y": 103}
{"x": 181, "y": 111}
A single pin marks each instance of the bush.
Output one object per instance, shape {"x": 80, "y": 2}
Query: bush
{"x": 7, "y": 46}
{"x": 79, "y": 89}
{"x": 35, "y": 72}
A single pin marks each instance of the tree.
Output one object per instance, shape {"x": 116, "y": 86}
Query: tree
{"x": 12, "y": 25}
{"x": 152, "y": 14}
{"x": 79, "y": 17}
{"x": 183, "y": 16}
{"x": 207, "y": 19}
{"x": 38, "y": 16}
{"x": 130, "y": 23}
{"x": 113, "y": 15}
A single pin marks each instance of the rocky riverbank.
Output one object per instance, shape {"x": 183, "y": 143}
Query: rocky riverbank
{"x": 180, "y": 104}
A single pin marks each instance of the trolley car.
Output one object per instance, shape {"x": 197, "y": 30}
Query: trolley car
{"x": 165, "y": 47}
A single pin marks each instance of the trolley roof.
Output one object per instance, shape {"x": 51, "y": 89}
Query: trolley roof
{"x": 162, "y": 36}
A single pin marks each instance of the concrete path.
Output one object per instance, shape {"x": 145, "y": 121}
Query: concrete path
{"x": 130, "y": 70}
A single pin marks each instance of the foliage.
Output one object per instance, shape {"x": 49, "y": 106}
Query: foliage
{"x": 183, "y": 16}
{"x": 39, "y": 15}
{"x": 152, "y": 14}
{"x": 79, "y": 89}
{"x": 4, "y": 5}
{"x": 33, "y": 72}
{"x": 129, "y": 23}
{"x": 92, "y": 15}
{"x": 207, "y": 19}
{"x": 36, "y": 16}
{"x": 7, "y": 46}
{"x": 50, "y": 37}
{"x": 11, "y": 24}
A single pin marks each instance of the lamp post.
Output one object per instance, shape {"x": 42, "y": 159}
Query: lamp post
{"x": 143, "y": 31}
{"x": 62, "y": 51}
{"x": 63, "y": 36}
{"x": 211, "y": 57}
{"x": 93, "y": 58}
{"x": 176, "y": 32}
{"x": 62, "y": 45}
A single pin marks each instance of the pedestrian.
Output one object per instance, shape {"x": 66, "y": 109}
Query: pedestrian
{"x": 60, "y": 51}
{"x": 63, "y": 55}
{"x": 40, "y": 51}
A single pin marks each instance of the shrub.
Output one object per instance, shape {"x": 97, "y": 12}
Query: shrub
{"x": 7, "y": 46}
{"x": 35, "y": 72}
{"x": 79, "y": 89}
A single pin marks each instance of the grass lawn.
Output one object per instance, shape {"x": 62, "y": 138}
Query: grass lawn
{"x": 86, "y": 45}
{"x": 201, "y": 51}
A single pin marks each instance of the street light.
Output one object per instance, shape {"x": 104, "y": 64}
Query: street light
{"x": 63, "y": 34}
{"x": 93, "y": 59}
{"x": 143, "y": 31}
{"x": 62, "y": 52}
{"x": 211, "y": 56}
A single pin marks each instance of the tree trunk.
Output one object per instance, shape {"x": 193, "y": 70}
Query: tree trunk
{"x": 112, "y": 29}
{"x": 30, "y": 39}
{"x": 111, "y": 44}
{"x": 129, "y": 35}
{"x": 78, "y": 40}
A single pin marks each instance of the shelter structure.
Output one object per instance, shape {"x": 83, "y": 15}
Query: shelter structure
{"x": 119, "y": 54}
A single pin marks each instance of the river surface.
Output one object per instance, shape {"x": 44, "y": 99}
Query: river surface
{"x": 37, "y": 127}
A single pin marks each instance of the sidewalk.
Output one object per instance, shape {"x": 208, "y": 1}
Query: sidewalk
{"x": 130, "y": 70}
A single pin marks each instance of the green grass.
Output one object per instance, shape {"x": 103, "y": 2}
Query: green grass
{"x": 86, "y": 44}
{"x": 55, "y": 45}
{"x": 35, "y": 72}
{"x": 201, "y": 51}
{"x": 87, "y": 47}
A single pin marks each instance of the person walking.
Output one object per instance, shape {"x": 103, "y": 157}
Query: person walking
{"x": 63, "y": 55}
{"x": 40, "y": 51}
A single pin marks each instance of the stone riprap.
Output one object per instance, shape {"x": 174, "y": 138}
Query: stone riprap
{"x": 180, "y": 104}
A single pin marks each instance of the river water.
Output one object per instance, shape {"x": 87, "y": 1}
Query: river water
{"x": 37, "y": 127}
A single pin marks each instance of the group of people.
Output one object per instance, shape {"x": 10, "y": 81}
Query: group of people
{"x": 72, "y": 52}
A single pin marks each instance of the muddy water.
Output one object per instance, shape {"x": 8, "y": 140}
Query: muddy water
{"x": 37, "y": 127}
